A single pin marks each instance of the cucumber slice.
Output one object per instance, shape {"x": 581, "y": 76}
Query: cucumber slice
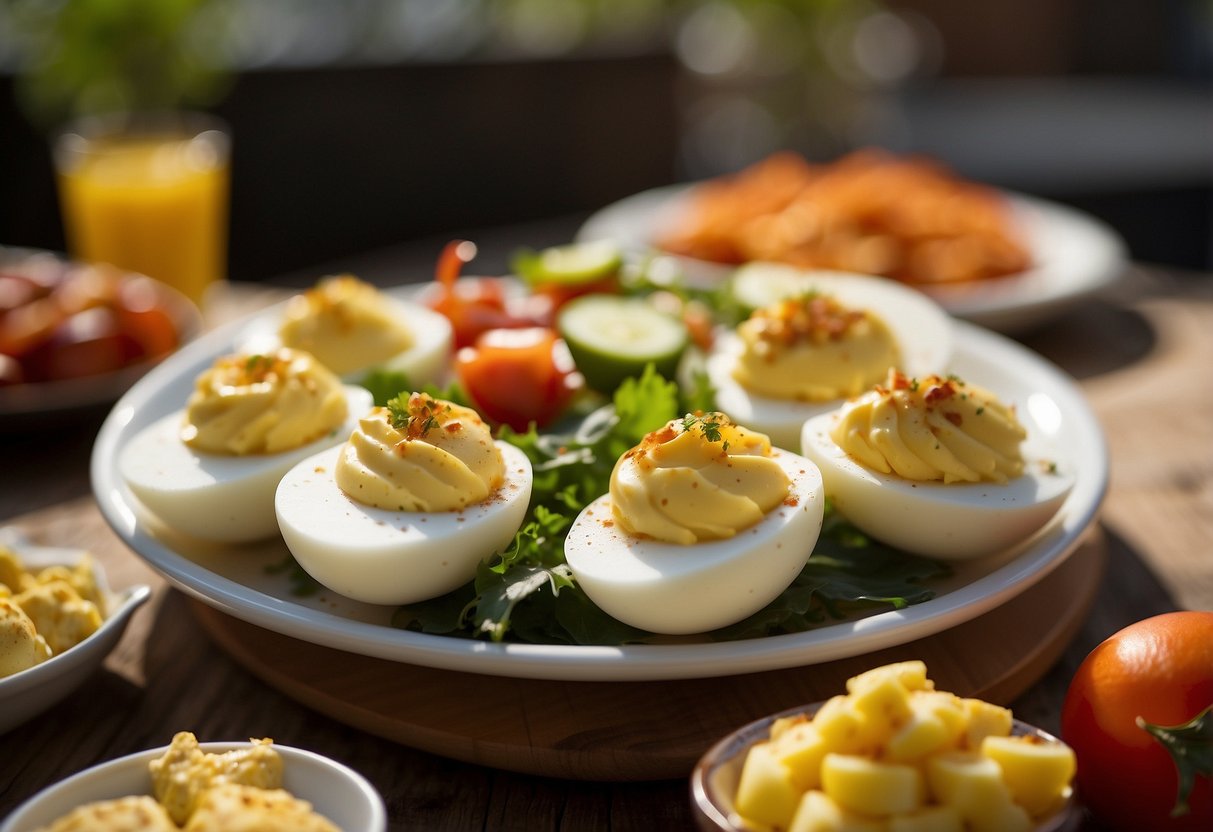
{"x": 612, "y": 338}
{"x": 757, "y": 285}
{"x": 570, "y": 264}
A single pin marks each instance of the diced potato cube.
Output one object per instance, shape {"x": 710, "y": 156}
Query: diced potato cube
{"x": 985, "y": 720}
{"x": 912, "y": 675}
{"x": 884, "y": 705}
{"x": 819, "y": 813}
{"x": 801, "y": 749}
{"x": 972, "y": 784}
{"x": 949, "y": 707}
{"x": 929, "y": 819}
{"x": 766, "y": 792}
{"x": 869, "y": 787}
{"x": 842, "y": 727}
{"x": 1036, "y": 773}
{"x": 923, "y": 733}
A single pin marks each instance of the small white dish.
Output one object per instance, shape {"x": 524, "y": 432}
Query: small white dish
{"x": 715, "y": 777}
{"x": 335, "y": 790}
{"x": 28, "y": 693}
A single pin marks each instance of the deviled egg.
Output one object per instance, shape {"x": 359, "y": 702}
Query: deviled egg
{"x": 934, "y": 465}
{"x": 705, "y": 523}
{"x": 352, "y": 327}
{"x": 820, "y": 339}
{"x": 210, "y": 470}
{"x": 409, "y": 506}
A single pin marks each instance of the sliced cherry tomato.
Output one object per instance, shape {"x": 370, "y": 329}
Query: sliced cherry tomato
{"x": 558, "y": 294}
{"x": 518, "y": 376}
{"x": 476, "y": 306}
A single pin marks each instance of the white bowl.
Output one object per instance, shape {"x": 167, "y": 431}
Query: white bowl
{"x": 30, "y": 692}
{"x": 336, "y": 791}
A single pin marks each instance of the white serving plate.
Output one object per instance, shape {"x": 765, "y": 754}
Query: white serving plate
{"x": 26, "y": 694}
{"x": 1074, "y": 256}
{"x": 235, "y": 580}
{"x": 336, "y": 791}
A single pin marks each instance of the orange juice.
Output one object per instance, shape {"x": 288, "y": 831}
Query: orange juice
{"x": 151, "y": 202}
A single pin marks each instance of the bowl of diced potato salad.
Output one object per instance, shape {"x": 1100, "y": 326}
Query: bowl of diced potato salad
{"x": 891, "y": 754}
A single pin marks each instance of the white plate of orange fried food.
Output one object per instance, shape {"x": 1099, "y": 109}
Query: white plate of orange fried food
{"x": 1003, "y": 260}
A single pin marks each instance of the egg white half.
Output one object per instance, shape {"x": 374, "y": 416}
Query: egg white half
{"x": 394, "y": 557}
{"x": 921, "y": 328}
{"x": 673, "y": 589}
{"x": 427, "y": 361}
{"x": 226, "y": 499}
{"x": 953, "y": 521}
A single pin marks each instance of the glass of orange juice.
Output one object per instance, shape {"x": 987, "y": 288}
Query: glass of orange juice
{"x": 148, "y": 193}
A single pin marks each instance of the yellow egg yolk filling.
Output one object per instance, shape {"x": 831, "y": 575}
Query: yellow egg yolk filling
{"x": 345, "y": 323}
{"x": 932, "y": 429}
{"x": 812, "y": 348}
{"x": 420, "y": 454}
{"x": 698, "y": 478}
{"x": 263, "y": 404}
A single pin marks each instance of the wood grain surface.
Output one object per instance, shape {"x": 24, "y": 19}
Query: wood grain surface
{"x": 1141, "y": 354}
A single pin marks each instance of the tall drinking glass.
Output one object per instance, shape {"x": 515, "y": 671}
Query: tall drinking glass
{"x": 148, "y": 193}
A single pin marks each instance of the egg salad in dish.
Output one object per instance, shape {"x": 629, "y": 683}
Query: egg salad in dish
{"x": 45, "y": 612}
{"x": 210, "y": 470}
{"x": 408, "y": 507}
{"x": 705, "y": 523}
{"x": 817, "y": 340}
{"x": 351, "y": 327}
{"x": 934, "y": 465}
{"x": 234, "y": 791}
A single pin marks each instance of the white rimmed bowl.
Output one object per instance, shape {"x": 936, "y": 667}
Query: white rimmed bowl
{"x": 715, "y": 777}
{"x": 335, "y": 790}
{"x": 28, "y": 693}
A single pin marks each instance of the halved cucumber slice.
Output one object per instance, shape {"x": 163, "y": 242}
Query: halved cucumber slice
{"x": 570, "y": 264}
{"x": 613, "y": 337}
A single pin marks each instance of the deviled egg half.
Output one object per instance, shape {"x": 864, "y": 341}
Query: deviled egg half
{"x": 352, "y": 327}
{"x": 818, "y": 339}
{"x": 409, "y": 506}
{"x": 934, "y": 465}
{"x": 705, "y": 523}
{"x": 210, "y": 470}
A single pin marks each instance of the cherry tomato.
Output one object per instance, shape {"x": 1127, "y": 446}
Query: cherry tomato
{"x": 1161, "y": 670}
{"x": 474, "y": 307}
{"x": 558, "y": 294}
{"x": 518, "y": 376}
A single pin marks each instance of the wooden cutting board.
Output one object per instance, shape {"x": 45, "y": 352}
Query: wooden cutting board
{"x": 612, "y": 731}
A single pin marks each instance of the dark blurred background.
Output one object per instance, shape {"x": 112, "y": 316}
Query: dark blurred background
{"x": 369, "y": 123}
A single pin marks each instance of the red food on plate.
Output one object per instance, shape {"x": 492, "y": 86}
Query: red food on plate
{"x": 518, "y": 376}
{"x": 62, "y": 321}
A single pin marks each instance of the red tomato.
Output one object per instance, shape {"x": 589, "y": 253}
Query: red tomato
{"x": 558, "y": 294}
{"x": 518, "y": 376}
{"x": 1159, "y": 669}
{"x": 474, "y": 307}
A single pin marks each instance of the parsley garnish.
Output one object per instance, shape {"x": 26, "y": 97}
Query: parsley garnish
{"x": 709, "y": 425}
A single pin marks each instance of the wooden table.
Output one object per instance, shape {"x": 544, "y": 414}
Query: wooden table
{"x": 1141, "y": 354}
